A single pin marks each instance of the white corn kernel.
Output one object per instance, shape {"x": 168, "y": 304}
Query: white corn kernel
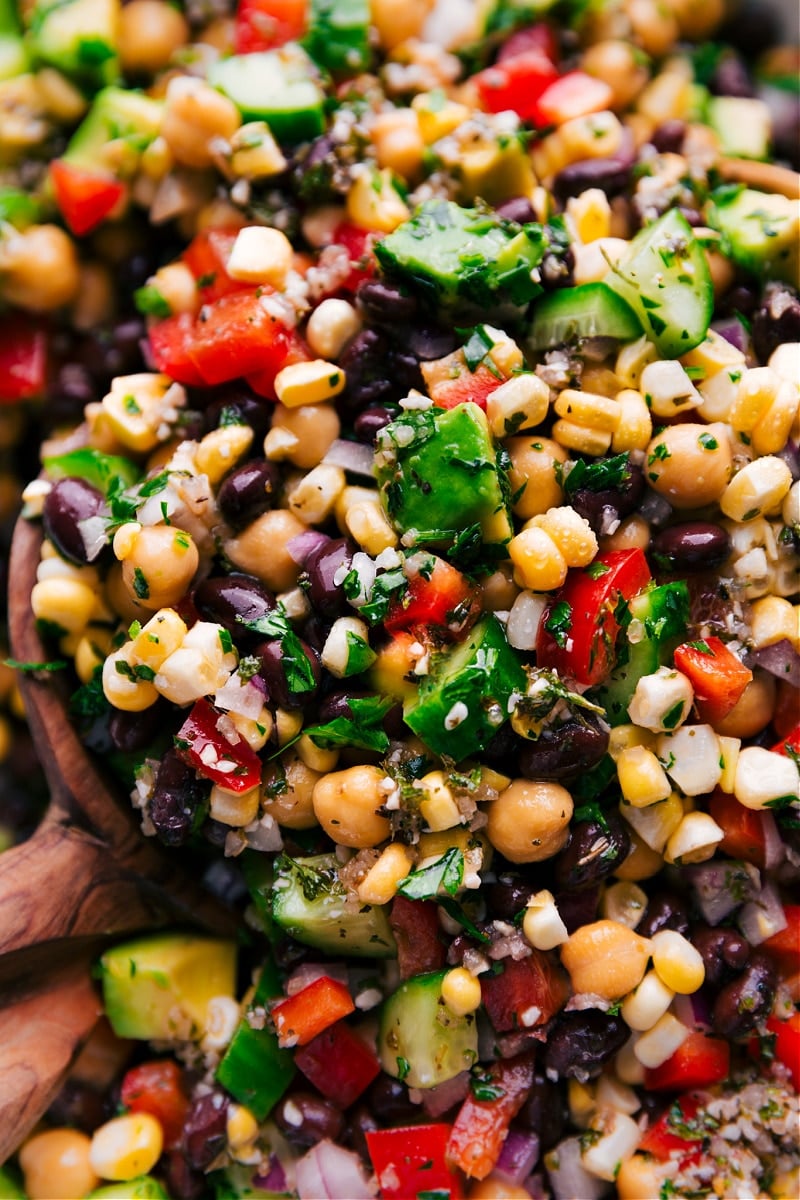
{"x": 314, "y": 497}
{"x": 315, "y": 757}
{"x": 656, "y": 823}
{"x": 620, "y": 1135}
{"x": 633, "y": 357}
{"x": 611, "y": 1093}
{"x": 626, "y": 1064}
{"x": 222, "y": 1019}
{"x": 729, "y": 754}
{"x": 662, "y": 700}
{"x": 668, "y": 389}
{"x": 690, "y": 757}
{"x": 438, "y": 806}
{"x": 331, "y": 326}
{"x": 676, "y": 961}
{"x": 260, "y": 254}
{"x": 236, "y": 809}
{"x": 126, "y": 1146}
{"x": 660, "y": 1043}
{"x": 645, "y": 1005}
{"x": 220, "y": 450}
{"x": 763, "y": 776}
{"x": 347, "y": 650}
{"x": 309, "y": 383}
{"x": 542, "y": 924}
{"x": 522, "y": 402}
{"x": 757, "y": 490}
{"x": 374, "y": 203}
{"x": 695, "y": 839}
{"x": 771, "y": 620}
{"x": 625, "y": 902}
{"x": 366, "y": 522}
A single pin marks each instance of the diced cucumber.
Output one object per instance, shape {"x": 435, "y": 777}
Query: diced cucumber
{"x": 276, "y": 86}
{"x": 338, "y": 35}
{"x": 664, "y": 277}
{"x": 451, "y": 254}
{"x": 591, "y": 310}
{"x": 10, "y": 1186}
{"x": 144, "y": 1187}
{"x": 255, "y": 1069}
{"x": 760, "y": 232}
{"x": 742, "y": 123}
{"x": 117, "y": 114}
{"x": 78, "y": 37}
{"x": 657, "y": 624}
{"x": 461, "y": 704}
{"x": 18, "y": 208}
{"x": 310, "y": 904}
{"x": 421, "y": 1040}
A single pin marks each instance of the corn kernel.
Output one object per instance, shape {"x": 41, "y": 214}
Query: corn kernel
{"x": 647, "y": 1003}
{"x": 438, "y": 806}
{"x": 255, "y": 732}
{"x": 220, "y": 450}
{"x": 241, "y": 1127}
{"x": 590, "y": 214}
{"x": 260, "y": 254}
{"x": 126, "y": 1146}
{"x": 367, "y": 524}
{"x": 762, "y": 777}
{"x": 138, "y": 409}
{"x": 713, "y": 353}
{"x": 161, "y": 636}
{"x": 287, "y": 725}
{"x": 694, "y": 841}
{"x": 398, "y": 142}
{"x": 611, "y": 1093}
{"x": 254, "y": 152}
{"x": 315, "y": 757}
{"x": 177, "y": 287}
{"x": 581, "y": 1101}
{"x": 632, "y": 359}
{"x": 538, "y": 562}
{"x": 771, "y": 620}
{"x": 660, "y": 1043}
{"x": 331, "y": 326}
{"x": 314, "y": 497}
{"x": 347, "y": 650}
{"x": 691, "y": 758}
{"x": 624, "y": 902}
{"x": 236, "y": 809}
{"x": 757, "y": 490}
{"x": 656, "y": 823}
{"x": 437, "y": 116}
{"x": 623, "y": 737}
{"x": 379, "y": 885}
{"x": 374, "y": 203}
{"x": 635, "y": 427}
{"x": 641, "y": 777}
{"x": 588, "y": 409}
{"x": 662, "y": 700}
{"x": 542, "y": 924}
{"x": 729, "y": 756}
{"x": 572, "y": 534}
{"x": 668, "y": 389}
{"x": 66, "y": 603}
{"x": 676, "y": 961}
{"x": 461, "y": 991}
{"x": 91, "y": 650}
{"x": 593, "y": 259}
{"x": 573, "y": 436}
{"x": 620, "y": 1135}
{"x": 626, "y": 1064}
{"x": 666, "y": 97}
{"x": 309, "y": 383}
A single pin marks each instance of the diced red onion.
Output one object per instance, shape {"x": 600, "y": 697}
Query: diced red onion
{"x": 146, "y": 351}
{"x": 93, "y": 535}
{"x": 518, "y": 1157}
{"x": 275, "y": 1178}
{"x": 763, "y": 916}
{"x": 693, "y": 1011}
{"x": 774, "y": 849}
{"x": 655, "y": 509}
{"x": 308, "y": 973}
{"x": 440, "y": 1099}
{"x": 241, "y": 698}
{"x": 720, "y": 887}
{"x": 569, "y": 1179}
{"x": 329, "y": 1172}
{"x": 781, "y": 660}
{"x": 300, "y": 547}
{"x": 734, "y": 332}
{"x": 356, "y": 457}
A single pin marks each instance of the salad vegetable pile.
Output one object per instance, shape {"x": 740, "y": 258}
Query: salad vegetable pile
{"x": 421, "y": 512}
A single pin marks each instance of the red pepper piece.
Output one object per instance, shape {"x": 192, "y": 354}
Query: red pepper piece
{"x": 85, "y": 198}
{"x": 535, "y": 982}
{"x": 700, "y": 1061}
{"x": 481, "y": 1125}
{"x": 157, "y": 1088}
{"x": 300, "y": 1017}
{"x": 718, "y": 677}
{"x": 237, "y": 768}
{"x": 411, "y": 1160}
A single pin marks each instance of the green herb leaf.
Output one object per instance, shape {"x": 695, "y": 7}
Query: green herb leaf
{"x": 598, "y": 476}
{"x": 150, "y": 302}
{"x": 446, "y": 873}
{"x": 559, "y": 622}
{"x": 363, "y": 729}
{"x": 55, "y": 664}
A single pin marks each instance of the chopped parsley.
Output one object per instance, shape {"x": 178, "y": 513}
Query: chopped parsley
{"x": 447, "y": 874}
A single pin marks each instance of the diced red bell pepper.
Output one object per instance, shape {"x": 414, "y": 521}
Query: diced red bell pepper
{"x": 265, "y": 24}
{"x": 339, "y": 1063}
{"x": 575, "y": 94}
{"x": 300, "y": 1017}
{"x": 23, "y": 359}
{"x": 516, "y": 83}
{"x": 415, "y": 925}
{"x": 743, "y": 828}
{"x": 540, "y": 37}
{"x": 359, "y": 245}
{"x": 237, "y": 768}
{"x": 234, "y": 336}
{"x": 790, "y": 741}
{"x": 441, "y": 597}
{"x": 410, "y": 1161}
{"x": 526, "y": 993}
{"x": 718, "y": 677}
{"x": 287, "y": 347}
{"x": 700, "y": 1061}
{"x": 157, "y": 1088}
{"x": 673, "y": 1131}
{"x": 785, "y": 945}
{"x": 84, "y": 198}
{"x": 587, "y": 650}
{"x": 481, "y": 1126}
{"x": 450, "y": 382}
{"x": 170, "y": 342}
{"x": 207, "y": 256}
{"x": 787, "y": 1044}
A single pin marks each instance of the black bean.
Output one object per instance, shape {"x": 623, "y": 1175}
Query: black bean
{"x": 183, "y": 1182}
{"x": 306, "y": 1118}
{"x": 68, "y": 503}
{"x": 249, "y": 491}
{"x": 230, "y": 600}
{"x": 204, "y": 1130}
{"x": 291, "y": 683}
{"x": 581, "y": 1042}
{"x": 747, "y": 1000}
{"x": 612, "y": 175}
{"x": 594, "y": 850}
{"x": 543, "y": 1112}
{"x": 578, "y": 908}
{"x": 564, "y": 751}
{"x": 177, "y": 794}
{"x": 741, "y": 298}
{"x": 430, "y": 342}
{"x": 691, "y": 546}
{"x": 360, "y": 1122}
{"x": 665, "y": 910}
{"x": 518, "y": 208}
{"x": 132, "y": 731}
{"x": 376, "y": 371}
{"x": 752, "y": 28}
{"x": 323, "y": 571}
{"x": 388, "y": 1099}
{"x": 385, "y": 303}
{"x": 602, "y": 508}
{"x": 776, "y": 321}
{"x": 116, "y": 351}
{"x": 315, "y": 631}
{"x": 233, "y": 403}
{"x": 78, "y": 1106}
{"x": 337, "y": 704}
{"x": 507, "y": 897}
{"x": 668, "y": 137}
{"x": 724, "y": 951}
{"x": 371, "y": 421}
{"x": 731, "y": 77}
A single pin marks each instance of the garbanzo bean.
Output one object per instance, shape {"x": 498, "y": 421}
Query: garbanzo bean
{"x": 195, "y": 114}
{"x": 150, "y": 33}
{"x": 313, "y": 429}
{"x": 56, "y": 1165}
{"x": 260, "y": 549}
{"x": 39, "y": 268}
{"x": 345, "y": 804}
{"x": 159, "y": 566}
{"x": 617, "y": 64}
{"x": 533, "y": 460}
{"x": 288, "y": 788}
{"x": 753, "y": 711}
{"x": 606, "y": 959}
{"x": 690, "y": 465}
{"x": 529, "y": 821}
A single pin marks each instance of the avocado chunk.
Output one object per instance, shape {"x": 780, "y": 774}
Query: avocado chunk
{"x": 439, "y": 478}
{"x": 760, "y": 231}
{"x": 143, "y": 1188}
{"x": 310, "y": 904}
{"x": 664, "y": 277}
{"x": 255, "y": 1069}
{"x": 116, "y": 115}
{"x": 160, "y": 986}
{"x": 462, "y": 703}
{"x": 78, "y": 37}
{"x": 10, "y": 1187}
{"x": 338, "y": 35}
{"x": 276, "y": 86}
{"x": 742, "y": 123}
{"x": 421, "y": 1040}
{"x": 453, "y": 255}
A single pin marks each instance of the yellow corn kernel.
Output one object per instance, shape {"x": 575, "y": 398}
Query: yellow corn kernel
{"x": 137, "y": 407}
{"x": 572, "y": 534}
{"x": 542, "y": 924}
{"x": 461, "y": 991}
{"x": 656, "y": 823}
{"x": 772, "y": 618}
{"x": 719, "y": 392}
{"x": 91, "y": 650}
{"x": 757, "y": 490}
{"x": 220, "y": 450}
{"x": 438, "y": 807}
{"x": 67, "y": 603}
{"x": 254, "y": 152}
{"x": 577, "y": 437}
{"x": 331, "y": 326}
{"x": 314, "y": 497}
{"x": 122, "y": 687}
{"x": 786, "y": 1184}
{"x": 287, "y": 725}
{"x": 597, "y": 135}
{"x": 623, "y": 737}
{"x": 635, "y": 427}
{"x": 728, "y": 755}
{"x": 593, "y": 411}
{"x": 398, "y": 141}
{"x": 632, "y": 359}
{"x": 437, "y": 116}
{"x": 642, "y": 779}
{"x": 315, "y": 757}
{"x": 676, "y": 962}
{"x": 665, "y": 98}
{"x": 255, "y": 732}
{"x": 260, "y": 254}
{"x": 505, "y": 353}
{"x": 538, "y": 563}
{"x": 161, "y": 636}
{"x": 374, "y": 203}
{"x": 234, "y": 808}
{"x": 520, "y": 403}
{"x": 126, "y": 1146}
{"x": 241, "y": 1127}
{"x": 367, "y": 524}
{"x": 713, "y": 353}
{"x": 776, "y": 424}
{"x": 309, "y": 383}
{"x": 379, "y": 885}
{"x": 581, "y": 1101}
{"x": 177, "y": 286}
{"x": 694, "y": 840}
{"x": 590, "y": 214}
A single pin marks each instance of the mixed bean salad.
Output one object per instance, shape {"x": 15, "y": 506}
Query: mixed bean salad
{"x": 420, "y": 499}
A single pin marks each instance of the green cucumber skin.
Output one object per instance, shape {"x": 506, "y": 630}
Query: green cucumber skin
{"x": 324, "y": 922}
{"x": 590, "y": 310}
{"x": 255, "y": 1069}
{"x": 276, "y": 86}
{"x": 420, "y": 1040}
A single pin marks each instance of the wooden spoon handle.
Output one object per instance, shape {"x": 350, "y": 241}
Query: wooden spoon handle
{"x": 42, "y": 1034}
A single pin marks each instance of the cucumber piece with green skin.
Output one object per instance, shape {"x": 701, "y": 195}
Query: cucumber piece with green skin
{"x": 451, "y": 254}
{"x": 17, "y": 208}
{"x": 462, "y": 703}
{"x": 590, "y": 310}
{"x": 255, "y": 1069}
{"x": 276, "y": 86}
{"x": 310, "y": 904}
{"x": 10, "y": 1186}
{"x": 143, "y": 1188}
{"x": 664, "y": 277}
{"x": 760, "y": 232}
{"x": 78, "y": 37}
{"x": 338, "y": 35}
{"x": 117, "y": 114}
{"x": 96, "y": 468}
{"x": 657, "y": 625}
{"x": 420, "y": 1039}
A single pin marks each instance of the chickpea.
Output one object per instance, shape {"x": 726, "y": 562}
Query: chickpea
{"x": 690, "y": 464}
{"x": 291, "y": 803}
{"x": 194, "y": 116}
{"x": 56, "y": 1165}
{"x": 633, "y": 534}
{"x": 529, "y": 821}
{"x": 533, "y": 460}
{"x": 398, "y": 20}
{"x": 605, "y": 958}
{"x": 121, "y": 602}
{"x": 159, "y": 566}
{"x": 345, "y": 804}
{"x": 498, "y": 590}
{"x": 697, "y": 21}
{"x": 641, "y": 863}
{"x": 654, "y": 26}
{"x": 150, "y": 33}
{"x": 260, "y": 549}
{"x": 639, "y": 1176}
{"x": 617, "y": 64}
{"x": 497, "y": 1187}
{"x": 39, "y": 268}
{"x": 753, "y": 710}
{"x": 315, "y": 428}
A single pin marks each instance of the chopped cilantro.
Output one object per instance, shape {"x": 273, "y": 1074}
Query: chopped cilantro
{"x": 363, "y": 729}
{"x": 446, "y": 873}
{"x": 559, "y": 622}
